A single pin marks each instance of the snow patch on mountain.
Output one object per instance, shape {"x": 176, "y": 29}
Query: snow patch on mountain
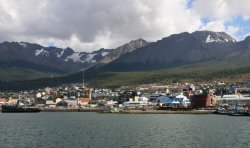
{"x": 22, "y": 44}
{"x": 217, "y": 37}
{"x": 76, "y": 57}
{"x": 104, "y": 53}
{"x": 90, "y": 58}
{"x": 41, "y": 52}
{"x": 84, "y": 57}
{"x": 211, "y": 39}
{"x": 61, "y": 53}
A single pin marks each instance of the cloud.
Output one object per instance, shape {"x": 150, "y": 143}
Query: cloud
{"x": 219, "y": 26}
{"x": 87, "y": 25}
{"x": 222, "y": 9}
{"x": 224, "y": 15}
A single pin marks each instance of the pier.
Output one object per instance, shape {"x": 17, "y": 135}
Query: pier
{"x": 71, "y": 110}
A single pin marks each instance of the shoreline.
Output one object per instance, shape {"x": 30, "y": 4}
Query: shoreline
{"x": 151, "y": 111}
{"x": 164, "y": 112}
{"x": 71, "y": 110}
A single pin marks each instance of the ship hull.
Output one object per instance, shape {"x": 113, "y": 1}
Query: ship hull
{"x": 15, "y": 109}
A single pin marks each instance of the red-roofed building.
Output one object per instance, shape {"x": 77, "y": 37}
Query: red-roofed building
{"x": 3, "y": 101}
{"x": 84, "y": 101}
{"x": 12, "y": 101}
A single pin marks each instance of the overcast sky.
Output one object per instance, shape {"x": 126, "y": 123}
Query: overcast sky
{"x": 87, "y": 25}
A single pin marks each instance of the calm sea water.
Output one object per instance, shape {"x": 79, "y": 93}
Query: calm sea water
{"x": 122, "y": 130}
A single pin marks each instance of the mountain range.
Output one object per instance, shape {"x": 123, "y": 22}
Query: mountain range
{"x": 180, "y": 49}
{"x": 23, "y": 61}
{"x": 201, "y": 55}
{"x": 200, "y": 50}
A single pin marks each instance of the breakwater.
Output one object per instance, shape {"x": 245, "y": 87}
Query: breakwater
{"x": 153, "y": 111}
{"x": 71, "y": 110}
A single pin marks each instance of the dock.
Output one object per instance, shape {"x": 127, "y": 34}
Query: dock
{"x": 163, "y": 112}
{"x": 71, "y": 110}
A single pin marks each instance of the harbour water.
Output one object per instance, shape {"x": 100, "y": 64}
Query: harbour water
{"x": 78, "y": 129}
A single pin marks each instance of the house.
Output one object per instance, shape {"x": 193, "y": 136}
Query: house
{"x": 161, "y": 100}
{"x": 154, "y": 96}
{"x": 2, "y": 101}
{"x": 50, "y": 103}
{"x": 12, "y": 101}
{"x": 179, "y": 101}
{"x": 58, "y": 100}
{"x": 136, "y": 102}
{"x": 84, "y": 102}
{"x": 110, "y": 103}
{"x": 40, "y": 102}
{"x": 72, "y": 103}
{"x": 62, "y": 104}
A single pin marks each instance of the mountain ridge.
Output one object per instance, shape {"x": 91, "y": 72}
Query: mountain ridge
{"x": 174, "y": 50}
{"x": 124, "y": 49}
{"x": 52, "y": 59}
{"x": 176, "y": 57}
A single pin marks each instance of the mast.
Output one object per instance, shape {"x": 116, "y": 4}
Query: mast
{"x": 83, "y": 83}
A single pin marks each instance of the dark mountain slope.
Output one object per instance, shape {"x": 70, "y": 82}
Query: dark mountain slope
{"x": 175, "y": 50}
{"x": 36, "y": 59}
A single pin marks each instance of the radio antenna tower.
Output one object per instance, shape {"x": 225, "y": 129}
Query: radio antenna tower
{"x": 83, "y": 83}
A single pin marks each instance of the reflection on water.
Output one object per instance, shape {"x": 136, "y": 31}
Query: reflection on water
{"x": 122, "y": 130}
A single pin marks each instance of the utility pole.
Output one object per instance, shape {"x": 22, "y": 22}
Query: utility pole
{"x": 83, "y": 83}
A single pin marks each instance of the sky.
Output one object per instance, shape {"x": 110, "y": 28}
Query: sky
{"x": 88, "y": 25}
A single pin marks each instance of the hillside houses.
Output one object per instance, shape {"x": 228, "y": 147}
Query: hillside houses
{"x": 200, "y": 95}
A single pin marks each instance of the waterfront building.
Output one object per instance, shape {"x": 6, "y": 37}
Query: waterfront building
{"x": 124, "y": 97}
{"x": 177, "y": 102}
{"x": 136, "y": 102}
{"x": 58, "y": 100}
{"x": 203, "y": 101}
{"x": 51, "y": 103}
{"x": 2, "y": 101}
{"x": 233, "y": 99}
{"x": 110, "y": 103}
{"x": 12, "y": 101}
{"x": 154, "y": 97}
{"x": 83, "y": 102}
{"x": 72, "y": 103}
{"x": 62, "y": 103}
{"x": 173, "y": 101}
{"x": 162, "y": 100}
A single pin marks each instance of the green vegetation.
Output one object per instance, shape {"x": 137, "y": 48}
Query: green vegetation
{"x": 14, "y": 73}
{"x": 112, "y": 79}
{"x": 200, "y": 72}
{"x": 233, "y": 69}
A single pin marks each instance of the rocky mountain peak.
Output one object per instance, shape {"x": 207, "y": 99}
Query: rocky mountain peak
{"x": 246, "y": 42}
{"x": 124, "y": 49}
{"x": 210, "y": 37}
{"x": 138, "y": 42}
{"x": 247, "y": 39}
{"x": 68, "y": 49}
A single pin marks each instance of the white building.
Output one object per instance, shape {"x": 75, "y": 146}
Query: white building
{"x": 137, "y": 102}
{"x": 233, "y": 99}
{"x": 177, "y": 101}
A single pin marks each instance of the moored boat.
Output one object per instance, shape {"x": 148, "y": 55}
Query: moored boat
{"x": 238, "y": 111}
{"x": 17, "y": 109}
